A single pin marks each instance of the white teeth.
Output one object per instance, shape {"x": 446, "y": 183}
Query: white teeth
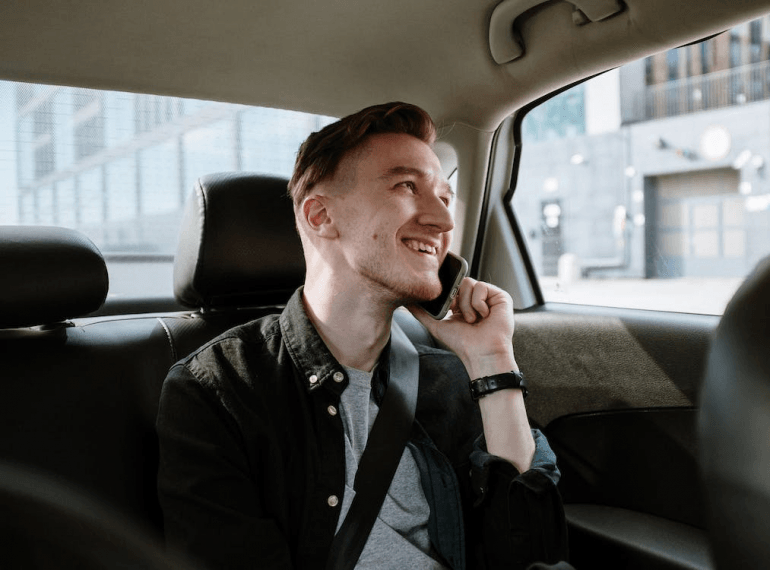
{"x": 419, "y": 246}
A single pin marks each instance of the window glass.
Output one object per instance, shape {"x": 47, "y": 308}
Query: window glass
{"x": 64, "y": 128}
{"x": 26, "y": 155}
{"x": 119, "y": 166}
{"x": 647, "y": 193}
{"x": 122, "y": 199}
{"x": 90, "y": 197}
{"x": 270, "y": 141}
{"x": 45, "y": 206}
{"x": 159, "y": 179}
{"x": 208, "y": 149}
{"x": 119, "y": 125}
{"x": 66, "y": 204}
{"x": 27, "y": 211}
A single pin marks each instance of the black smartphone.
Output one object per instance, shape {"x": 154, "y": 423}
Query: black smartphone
{"x": 451, "y": 273}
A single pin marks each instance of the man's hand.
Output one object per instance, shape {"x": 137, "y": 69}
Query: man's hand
{"x": 479, "y": 330}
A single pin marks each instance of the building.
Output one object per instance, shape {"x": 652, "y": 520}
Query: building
{"x": 119, "y": 166}
{"x": 658, "y": 169}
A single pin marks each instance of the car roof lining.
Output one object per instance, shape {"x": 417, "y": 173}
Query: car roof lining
{"x": 329, "y": 58}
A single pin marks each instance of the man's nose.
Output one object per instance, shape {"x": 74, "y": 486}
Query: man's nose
{"x": 434, "y": 212}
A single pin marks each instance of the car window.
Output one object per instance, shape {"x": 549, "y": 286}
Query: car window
{"x": 648, "y": 186}
{"x": 120, "y": 166}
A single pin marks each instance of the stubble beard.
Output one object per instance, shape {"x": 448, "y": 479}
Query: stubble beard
{"x": 402, "y": 289}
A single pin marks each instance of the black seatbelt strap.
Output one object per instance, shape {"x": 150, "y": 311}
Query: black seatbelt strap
{"x": 382, "y": 454}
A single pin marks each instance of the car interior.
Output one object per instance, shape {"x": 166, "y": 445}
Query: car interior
{"x": 658, "y": 418}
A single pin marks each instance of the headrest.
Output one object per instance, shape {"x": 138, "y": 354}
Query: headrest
{"x": 238, "y": 244}
{"x": 48, "y": 275}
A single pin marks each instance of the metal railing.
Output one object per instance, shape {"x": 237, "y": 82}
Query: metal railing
{"x": 736, "y": 86}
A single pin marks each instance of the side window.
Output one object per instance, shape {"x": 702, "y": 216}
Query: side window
{"x": 648, "y": 186}
{"x": 119, "y": 166}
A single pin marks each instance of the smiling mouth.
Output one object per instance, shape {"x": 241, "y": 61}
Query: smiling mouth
{"x": 420, "y": 247}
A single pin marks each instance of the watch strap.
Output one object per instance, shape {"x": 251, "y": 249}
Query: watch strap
{"x": 489, "y": 384}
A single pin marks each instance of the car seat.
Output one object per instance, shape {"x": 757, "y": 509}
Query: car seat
{"x": 734, "y": 428}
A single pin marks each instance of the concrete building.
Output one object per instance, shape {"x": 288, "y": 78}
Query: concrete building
{"x": 658, "y": 169}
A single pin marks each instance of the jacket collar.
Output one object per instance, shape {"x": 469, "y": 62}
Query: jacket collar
{"x": 312, "y": 357}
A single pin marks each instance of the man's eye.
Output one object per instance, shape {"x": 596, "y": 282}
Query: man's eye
{"x": 408, "y": 184}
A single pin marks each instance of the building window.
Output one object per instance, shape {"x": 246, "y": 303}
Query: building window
{"x": 42, "y": 142}
{"x": 83, "y": 98}
{"x": 672, "y": 62}
{"x": 755, "y": 41}
{"x": 705, "y": 57}
{"x": 649, "y": 77}
{"x": 44, "y": 162}
{"x": 24, "y": 94}
{"x": 559, "y": 117}
{"x": 152, "y": 111}
{"x": 735, "y": 49}
{"x": 89, "y": 136}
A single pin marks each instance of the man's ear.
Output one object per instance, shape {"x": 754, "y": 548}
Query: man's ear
{"x": 317, "y": 218}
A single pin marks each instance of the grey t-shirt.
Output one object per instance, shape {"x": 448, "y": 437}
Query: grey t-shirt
{"x": 399, "y": 538}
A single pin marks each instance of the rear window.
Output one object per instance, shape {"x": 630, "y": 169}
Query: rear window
{"x": 120, "y": 166}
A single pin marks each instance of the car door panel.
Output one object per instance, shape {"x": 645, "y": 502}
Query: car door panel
{"x": 615, "y": 391}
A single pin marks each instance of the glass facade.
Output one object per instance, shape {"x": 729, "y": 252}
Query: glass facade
{"x": 119, "y": 166}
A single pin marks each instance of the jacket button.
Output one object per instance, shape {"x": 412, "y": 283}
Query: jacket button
{"x": 338, "y": 376}
{"x": 313, "y": 379}
{"x": 332, "y": 410}
{"x": 333, "y": 501}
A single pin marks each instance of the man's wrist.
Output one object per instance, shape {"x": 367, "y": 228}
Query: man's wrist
{"x": 479, "y": 366}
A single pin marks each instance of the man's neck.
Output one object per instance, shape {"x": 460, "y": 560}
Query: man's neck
{"x": 353, "y": 323}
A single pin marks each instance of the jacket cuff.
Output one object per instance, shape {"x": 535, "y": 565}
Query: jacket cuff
{"x": 483, "y": 463}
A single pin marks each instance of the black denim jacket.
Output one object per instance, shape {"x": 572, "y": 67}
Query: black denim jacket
{"x": 252, "y": 462}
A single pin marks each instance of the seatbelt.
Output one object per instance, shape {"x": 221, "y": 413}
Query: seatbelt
{"x": 382, "y": 454}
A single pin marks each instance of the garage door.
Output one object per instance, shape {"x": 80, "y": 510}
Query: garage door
{"x": 700, "y": 226}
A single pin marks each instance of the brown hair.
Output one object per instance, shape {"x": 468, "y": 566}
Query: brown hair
{"x": 321, "y": 153}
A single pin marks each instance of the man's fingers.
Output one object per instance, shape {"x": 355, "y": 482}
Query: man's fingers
{"x": 464, "y": 298}
{"x": 479, "y": 297}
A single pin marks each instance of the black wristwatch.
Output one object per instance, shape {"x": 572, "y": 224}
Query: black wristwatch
{"x": 488, "y": 384}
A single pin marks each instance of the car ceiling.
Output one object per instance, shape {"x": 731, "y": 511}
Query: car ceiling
{"x": 335, "y": 57}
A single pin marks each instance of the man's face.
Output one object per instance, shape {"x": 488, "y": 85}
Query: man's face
{"x": 394, "y": 219}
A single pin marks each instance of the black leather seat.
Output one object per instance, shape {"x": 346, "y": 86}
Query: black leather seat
{"x": 46, "y": 525}
{"x": 735, "y": 428}
{"x": 238, "y": 246}
{"x": 79, "y": 395}
{"x": 69, "y": 429}
{"x": 49, "y": 274}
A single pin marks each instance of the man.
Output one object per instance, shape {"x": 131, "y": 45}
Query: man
{"x": 261, "y": 429}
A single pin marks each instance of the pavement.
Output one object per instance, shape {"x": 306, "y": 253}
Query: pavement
{"x": 704, "y": 295}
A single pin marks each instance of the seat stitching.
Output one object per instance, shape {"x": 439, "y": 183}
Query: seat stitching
{"x": 170, "y": 339}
